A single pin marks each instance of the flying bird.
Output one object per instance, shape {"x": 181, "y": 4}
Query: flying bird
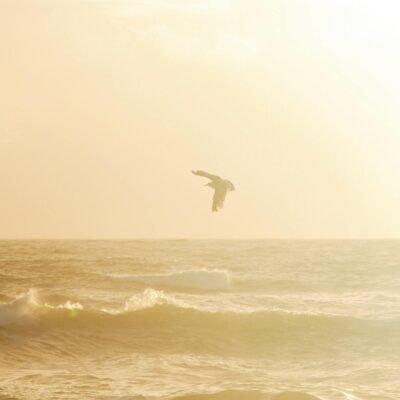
{"x": 220, "y": 186}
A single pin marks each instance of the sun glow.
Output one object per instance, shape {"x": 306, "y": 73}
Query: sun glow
{"x": 290, "y": 99}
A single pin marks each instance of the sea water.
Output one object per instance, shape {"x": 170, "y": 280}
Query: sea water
{"x": 207, "y": 320}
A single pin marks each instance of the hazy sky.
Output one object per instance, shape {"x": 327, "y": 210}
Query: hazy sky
{"x": 106, "y": 106}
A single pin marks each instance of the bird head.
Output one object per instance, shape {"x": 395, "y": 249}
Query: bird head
{"x": 229, "y": 186}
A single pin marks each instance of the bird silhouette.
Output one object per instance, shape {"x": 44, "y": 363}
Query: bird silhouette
{"x": 220, "y": 186}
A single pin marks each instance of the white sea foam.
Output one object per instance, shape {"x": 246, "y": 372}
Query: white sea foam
{"x": 149, "y": 298}
{"x": 27, "y": 306}
{"x": 19, "y": 311}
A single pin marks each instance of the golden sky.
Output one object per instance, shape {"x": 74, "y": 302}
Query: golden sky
{"x": 106, "y": 106}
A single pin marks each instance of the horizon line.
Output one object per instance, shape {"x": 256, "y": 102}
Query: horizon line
{"x": 200, "y": 239}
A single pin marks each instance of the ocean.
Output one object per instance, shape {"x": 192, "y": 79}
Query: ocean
{"x": 198, "y": 319}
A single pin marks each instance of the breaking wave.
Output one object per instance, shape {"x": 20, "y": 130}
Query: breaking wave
{"x": 26, "y": 309}
{"x": 155, "y": 318}
{"x": 200, "y": 279}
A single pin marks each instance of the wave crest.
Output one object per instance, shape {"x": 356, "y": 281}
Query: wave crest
{"x": 154, "y": 318}
{"x": 27, "y": 308}
{"x": 200, "y": 279}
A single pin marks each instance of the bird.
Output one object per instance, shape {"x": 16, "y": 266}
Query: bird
{"x": 221, "y": 187}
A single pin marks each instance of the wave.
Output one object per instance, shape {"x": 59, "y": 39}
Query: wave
{"x": 156, "y": 319}
{"x": 200, "y": 279}
{"x": 26, "y": 309}
{"x": 29, "y": 310}
{"x": 248, "y": 395}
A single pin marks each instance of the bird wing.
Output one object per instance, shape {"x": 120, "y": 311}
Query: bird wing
{"x": 219, "y": 197}
{"x": 206, "y": 175}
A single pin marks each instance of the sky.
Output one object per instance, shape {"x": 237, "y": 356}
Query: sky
{"x": 106, "y": 106}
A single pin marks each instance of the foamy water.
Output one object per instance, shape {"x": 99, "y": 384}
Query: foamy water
{"x": 200, "y": 320}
